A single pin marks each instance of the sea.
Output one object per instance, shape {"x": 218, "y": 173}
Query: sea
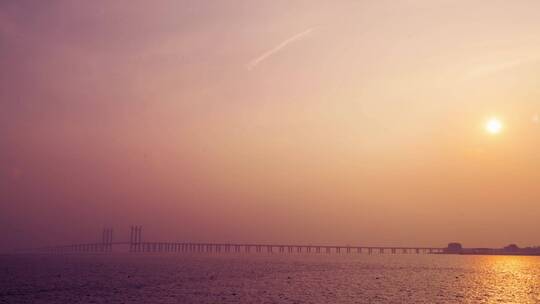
{"x": 277, "y": 278}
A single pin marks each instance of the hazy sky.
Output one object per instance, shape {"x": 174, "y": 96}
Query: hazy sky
{"x": 332, "y": 122}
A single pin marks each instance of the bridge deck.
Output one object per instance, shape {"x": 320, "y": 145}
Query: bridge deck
{"x": 136, "y": 244}
{"x": 178, "y": 247}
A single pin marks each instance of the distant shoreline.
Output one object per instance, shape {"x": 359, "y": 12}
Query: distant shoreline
{"x": 512, "y": 249}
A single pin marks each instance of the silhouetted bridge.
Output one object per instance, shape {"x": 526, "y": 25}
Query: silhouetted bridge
{"x": 136, "y": 245}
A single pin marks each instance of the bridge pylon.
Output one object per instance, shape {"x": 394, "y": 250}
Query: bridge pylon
{"x": 135, "y": 238}
{"x": 107, "y": 239}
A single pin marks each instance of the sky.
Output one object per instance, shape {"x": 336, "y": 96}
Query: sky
{"x": 309, "y": 122}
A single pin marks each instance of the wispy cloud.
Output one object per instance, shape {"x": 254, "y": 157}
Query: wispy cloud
{"x": 497, "y": 67}
{"x": 253, "y": 63}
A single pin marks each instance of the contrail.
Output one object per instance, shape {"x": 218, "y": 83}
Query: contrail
{"x": 253, "y": 63}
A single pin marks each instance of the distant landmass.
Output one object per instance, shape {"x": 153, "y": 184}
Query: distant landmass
{"x": 512, "y": 249}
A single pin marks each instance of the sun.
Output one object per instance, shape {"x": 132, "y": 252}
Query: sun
{"x": 494, "y": 126}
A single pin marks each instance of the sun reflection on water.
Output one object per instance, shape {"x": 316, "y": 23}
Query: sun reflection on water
{"x": 508, "y": 279}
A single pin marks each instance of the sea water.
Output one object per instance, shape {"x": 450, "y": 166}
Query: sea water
{"x": 277, "y": 278}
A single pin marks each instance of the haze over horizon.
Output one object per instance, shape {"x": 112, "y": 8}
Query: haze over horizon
{"x": 331, "y": 122}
